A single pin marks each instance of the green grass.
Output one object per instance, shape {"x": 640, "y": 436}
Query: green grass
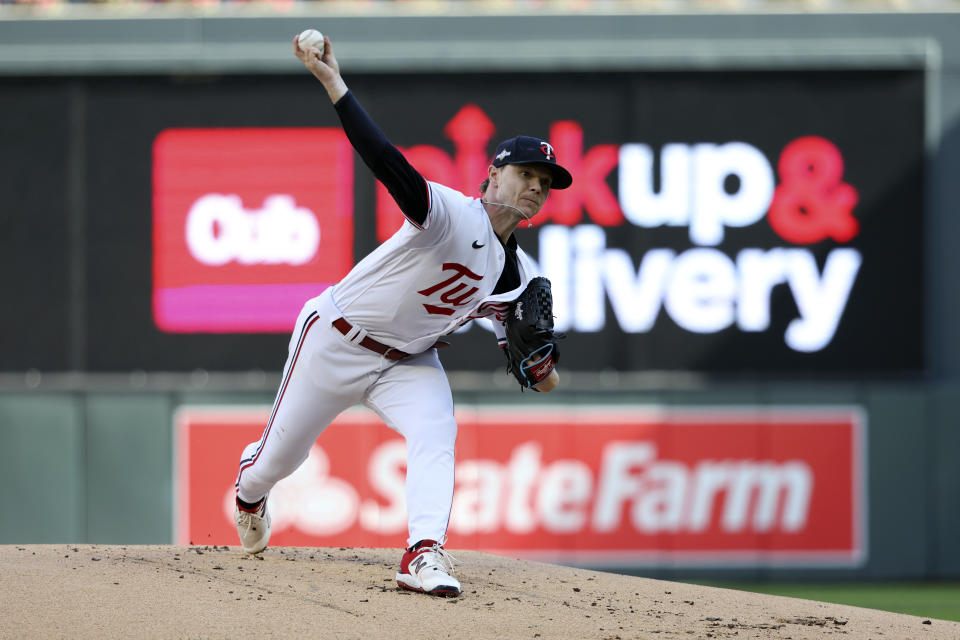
{"x": 926, "y": 599}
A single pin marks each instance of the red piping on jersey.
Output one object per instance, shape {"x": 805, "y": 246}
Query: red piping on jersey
{"x": 413, "y": 222}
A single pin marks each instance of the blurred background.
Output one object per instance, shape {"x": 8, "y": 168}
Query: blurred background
{"x": 755, "y": 269}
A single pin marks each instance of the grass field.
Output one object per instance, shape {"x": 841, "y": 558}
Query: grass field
{"x": 927, "y": 599}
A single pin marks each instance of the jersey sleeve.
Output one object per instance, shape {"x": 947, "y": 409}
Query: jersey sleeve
{"x": 405, "y": 184}
{"x": 445, "y": 208}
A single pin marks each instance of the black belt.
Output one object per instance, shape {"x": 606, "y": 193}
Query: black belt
{"x": 344, "y": 327}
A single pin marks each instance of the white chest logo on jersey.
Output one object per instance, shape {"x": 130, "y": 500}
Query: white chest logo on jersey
{"x": 518, "y": 312}
{"x": 451, "y": 288}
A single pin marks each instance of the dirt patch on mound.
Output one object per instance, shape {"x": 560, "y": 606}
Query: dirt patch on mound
{"x": 95, "y": 591}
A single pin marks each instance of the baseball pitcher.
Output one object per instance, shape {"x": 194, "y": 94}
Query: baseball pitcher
{"x": 372, "y": 337}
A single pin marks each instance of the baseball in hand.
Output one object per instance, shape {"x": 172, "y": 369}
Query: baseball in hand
{"x": 311, "y": 38}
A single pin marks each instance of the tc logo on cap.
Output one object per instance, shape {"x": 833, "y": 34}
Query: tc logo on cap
{"x": 529, "y": 150}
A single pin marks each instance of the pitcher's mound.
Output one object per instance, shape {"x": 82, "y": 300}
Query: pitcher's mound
{"x": 96, "y": 591}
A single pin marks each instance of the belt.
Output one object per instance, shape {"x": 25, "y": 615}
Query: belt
{"x": 344, "y": 327}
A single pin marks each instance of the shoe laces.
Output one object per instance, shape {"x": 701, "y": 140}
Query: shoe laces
{"x": 444, "y": 558}
{"x": 246, "y": 522}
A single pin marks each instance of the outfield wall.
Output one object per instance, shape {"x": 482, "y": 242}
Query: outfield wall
{"x": 100, "y": 467}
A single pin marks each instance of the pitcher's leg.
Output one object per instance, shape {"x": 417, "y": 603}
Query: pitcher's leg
{"x": 413, "y": 397}
{"x": 309, "y": 398}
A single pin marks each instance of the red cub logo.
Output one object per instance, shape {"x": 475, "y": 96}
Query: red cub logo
{"x": 452, "y": 289}
{"x": 243, "y": 230}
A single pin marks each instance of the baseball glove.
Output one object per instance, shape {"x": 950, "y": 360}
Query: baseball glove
{"x": 531, "y": 348}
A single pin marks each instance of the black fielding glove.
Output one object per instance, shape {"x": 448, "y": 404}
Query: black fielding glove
{"x": 532, "y": 351}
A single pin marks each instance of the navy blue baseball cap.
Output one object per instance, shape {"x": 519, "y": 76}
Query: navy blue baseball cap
{"x": 527, "y": 150}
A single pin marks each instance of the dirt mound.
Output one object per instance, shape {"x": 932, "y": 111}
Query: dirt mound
{"x": 95, "y": 591}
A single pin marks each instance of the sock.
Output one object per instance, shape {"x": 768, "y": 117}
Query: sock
{"x": 252, "y": 507}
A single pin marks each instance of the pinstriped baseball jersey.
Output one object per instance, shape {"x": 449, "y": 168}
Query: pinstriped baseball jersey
{"x": 437, "y": 272}
{"x": 426, "y": 280}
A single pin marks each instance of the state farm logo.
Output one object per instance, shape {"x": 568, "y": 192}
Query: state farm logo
{"x": 713, "y": 189}
{"x": 563, "y": 496}
{"x": 244, "y": 230}
{"x": 219, "y": 230}
{"x": 784, "y": 484}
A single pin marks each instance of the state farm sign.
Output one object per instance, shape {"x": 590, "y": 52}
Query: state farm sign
{"x": 245, "y": 229}
{"x": 631, "y": 486}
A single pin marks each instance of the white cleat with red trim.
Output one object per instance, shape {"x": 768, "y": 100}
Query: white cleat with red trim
{"x": 253, "y": 527}
{"x": 426, "y": 567}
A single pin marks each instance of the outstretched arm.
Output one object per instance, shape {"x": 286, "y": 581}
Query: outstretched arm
{"x": 404, "y": 183}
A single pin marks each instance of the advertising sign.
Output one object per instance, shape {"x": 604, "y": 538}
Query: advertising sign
{"x": 631, "y": 486}
{"x": 753, "y": 223}
{"x": 245, "y": 231}
{"x": 701, "y": 232}
{"x": 698, "y": 285}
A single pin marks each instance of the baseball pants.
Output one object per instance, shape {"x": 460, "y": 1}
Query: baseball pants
{"x": 326, "y": 374}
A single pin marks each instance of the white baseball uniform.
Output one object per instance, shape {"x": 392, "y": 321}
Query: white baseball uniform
{"x": 419, "y": 285}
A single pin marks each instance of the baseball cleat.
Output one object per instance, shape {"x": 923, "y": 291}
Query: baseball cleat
{"x": 253, "y": 527}
{"x": 426, "y": 567}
